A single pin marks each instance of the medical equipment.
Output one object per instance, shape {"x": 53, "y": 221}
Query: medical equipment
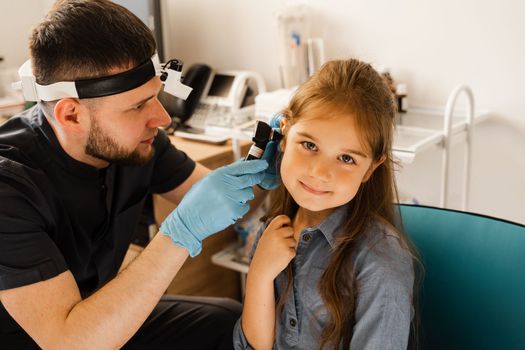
{"x": 293, "y": 24}
{"x": 263, "y": 134}
{"x": 170, "y": 75}
{"x": 226, "y": 104}
{"x": 315, "y": 52}
{"x": 227, "y": 101}
{"x": 268, "y": 103}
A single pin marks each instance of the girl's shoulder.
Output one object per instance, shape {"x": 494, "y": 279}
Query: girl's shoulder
{"x": 380, "y": 232}
{"x": 381, "y": 249}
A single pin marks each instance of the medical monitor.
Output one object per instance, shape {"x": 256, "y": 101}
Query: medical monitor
{"x": 221, "y": 85}
{"x": 149, "y": 11}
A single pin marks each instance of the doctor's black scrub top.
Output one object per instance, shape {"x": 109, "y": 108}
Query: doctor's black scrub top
{"x": 58, "y": 214}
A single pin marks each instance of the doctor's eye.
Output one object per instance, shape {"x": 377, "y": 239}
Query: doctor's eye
{"x": 345, "y": 158}
{"x": 309, "y": 145}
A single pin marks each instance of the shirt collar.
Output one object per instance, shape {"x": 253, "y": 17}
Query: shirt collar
{"x": 331, "y": 224}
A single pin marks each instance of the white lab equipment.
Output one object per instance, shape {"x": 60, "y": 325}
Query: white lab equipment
{"x": 269, "y": 103}
{"x": 316, "y": 58}
{"x": 228, "y": 99}
{"x": 422, "y": 128}
{"x": 447, "y": 131}
{"x": 227, "y": 105}
{"x": 293, "y": 31}
{"x": 229, "y": 88}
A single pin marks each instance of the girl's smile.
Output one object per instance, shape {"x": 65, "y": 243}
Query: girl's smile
{"x": 313, "y": 190}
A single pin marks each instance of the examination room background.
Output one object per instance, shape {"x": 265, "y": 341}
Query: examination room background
{"x": 430, "y": 45}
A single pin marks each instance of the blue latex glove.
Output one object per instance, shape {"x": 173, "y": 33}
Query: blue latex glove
{"x": 272, "y": 179}
{"x": 213, "y": 203}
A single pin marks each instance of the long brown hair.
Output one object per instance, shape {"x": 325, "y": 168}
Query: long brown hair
{"x": 355, "y": 88}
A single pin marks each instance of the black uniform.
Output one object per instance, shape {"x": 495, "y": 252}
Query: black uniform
{"x": 59, "y": 214}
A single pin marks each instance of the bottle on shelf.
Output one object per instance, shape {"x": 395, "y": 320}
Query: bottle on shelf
{"x": 385, "y": 73}
{"x": 401, "y": 98}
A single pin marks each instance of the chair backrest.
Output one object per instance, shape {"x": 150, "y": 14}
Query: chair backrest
{"x": 473, "y": 294}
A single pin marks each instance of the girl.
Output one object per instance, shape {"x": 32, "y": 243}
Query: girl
{"x": 331, "y": 270}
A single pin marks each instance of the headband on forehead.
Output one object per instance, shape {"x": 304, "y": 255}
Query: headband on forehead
{"x": 103, "y": 86}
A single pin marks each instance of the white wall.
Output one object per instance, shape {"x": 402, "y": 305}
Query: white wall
{"x": 17, "y": 19}
{"x": 431, "y": 45}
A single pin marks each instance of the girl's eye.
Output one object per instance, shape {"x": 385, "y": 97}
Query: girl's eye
{"x": 345, "y": 158}
{"x": 140, "y": 106}
{"x": 309, "y": 145}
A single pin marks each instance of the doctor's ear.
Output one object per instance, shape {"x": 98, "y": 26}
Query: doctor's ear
{"x": 67, "y": 113}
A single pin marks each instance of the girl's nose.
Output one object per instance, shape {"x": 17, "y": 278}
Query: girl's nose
{"x": 320, "y": 170}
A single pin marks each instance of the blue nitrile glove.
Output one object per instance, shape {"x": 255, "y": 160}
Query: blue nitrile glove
{"x": 272, "y": 179}
{"x": 213, "y": 203}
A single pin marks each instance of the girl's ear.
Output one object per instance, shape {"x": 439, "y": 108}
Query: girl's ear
{"x": 283, "y": 125}
{"x": 372, "y": 168}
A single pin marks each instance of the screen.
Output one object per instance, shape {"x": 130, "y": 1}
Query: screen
{"x": 221, "y": 85}
{"x": 149, "y": 13}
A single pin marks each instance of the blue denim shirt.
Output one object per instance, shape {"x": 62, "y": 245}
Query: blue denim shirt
{"x": 385, "y": 278}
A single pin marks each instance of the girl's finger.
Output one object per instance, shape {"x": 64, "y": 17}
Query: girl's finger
{"x": 285, "y": 232}
{"x": 291, "y": 242}
{"x": 280, "y": 221}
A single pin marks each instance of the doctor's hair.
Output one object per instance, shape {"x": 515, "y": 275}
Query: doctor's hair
{"x": 81, "y": 39}
{"x": 351, "y": 87}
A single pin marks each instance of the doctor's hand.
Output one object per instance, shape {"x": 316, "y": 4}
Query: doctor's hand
{"x": 272, "y": 179}
{"x": 213, "y": 203}
{"x": 275, "y": 249}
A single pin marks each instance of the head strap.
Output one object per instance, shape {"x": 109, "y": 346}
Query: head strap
{"x": 88, "y": 88}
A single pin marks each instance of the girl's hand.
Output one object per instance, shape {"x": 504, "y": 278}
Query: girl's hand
{"x": 275, "y": 250}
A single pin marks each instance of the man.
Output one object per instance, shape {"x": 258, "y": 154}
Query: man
{"x": 74, "y": 175}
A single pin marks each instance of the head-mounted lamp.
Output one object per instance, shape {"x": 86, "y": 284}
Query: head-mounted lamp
{"x": 170, "y": 75}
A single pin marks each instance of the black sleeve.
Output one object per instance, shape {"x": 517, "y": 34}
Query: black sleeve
{"x": 172, "y": 166}
{"x": 27, "y": 252}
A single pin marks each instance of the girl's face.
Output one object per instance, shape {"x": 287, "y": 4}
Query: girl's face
{"x": 324, "y": 161}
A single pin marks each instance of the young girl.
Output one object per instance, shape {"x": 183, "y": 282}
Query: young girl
{"x": 331, "y": 270}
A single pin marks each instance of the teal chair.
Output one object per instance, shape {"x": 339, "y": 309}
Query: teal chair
{"x": 473, "y": 292}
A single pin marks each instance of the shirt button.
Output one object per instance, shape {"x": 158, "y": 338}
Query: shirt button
{"x": 307, "y": 237}
{"x": 293, "y": 322}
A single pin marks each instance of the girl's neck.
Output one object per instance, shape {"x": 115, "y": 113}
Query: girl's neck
{"x": 307, "y": 218}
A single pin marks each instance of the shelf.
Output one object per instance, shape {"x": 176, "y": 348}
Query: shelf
{"x": 227, "y": 258}
{"x": 421, "y": 128}
{"x": 408, "y": 141}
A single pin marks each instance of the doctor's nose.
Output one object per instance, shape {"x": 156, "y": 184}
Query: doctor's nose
{"x": 159, "y": 116}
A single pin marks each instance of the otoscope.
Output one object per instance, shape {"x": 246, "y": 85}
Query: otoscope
{"x": 262, "y": 134}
